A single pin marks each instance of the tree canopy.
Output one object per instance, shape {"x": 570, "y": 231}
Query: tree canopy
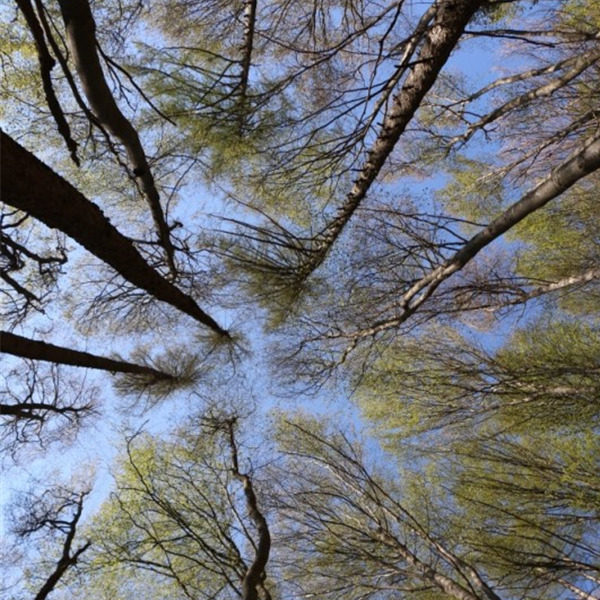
{"x": 328, "y": 271}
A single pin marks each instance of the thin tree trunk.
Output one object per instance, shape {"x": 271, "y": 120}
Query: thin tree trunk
{"x": 524, "y": 296}
{"x": 451, "y": 18}
{"x": 31, "y": 186}
{"x": 17, "y": 345}
{"x": 582, "y": 162}
{"x": 255, "y": 574}
{"x": 67, "y": 560}
{"x": 46, "y": 64}
{"x": 81, "y": 38}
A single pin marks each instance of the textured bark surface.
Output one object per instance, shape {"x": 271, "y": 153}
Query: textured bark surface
{"x": 451, "y": 18}
{"x": 31, "y": 186}
{"x": 17, "y": 345}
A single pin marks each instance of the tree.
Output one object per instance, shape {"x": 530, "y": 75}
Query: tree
{"x": 349, "y": 533}
{"x": 29, "y": 273}
{"x": 41, "y": 405}
{"x": 383, "y": 217}
{"x": 54, "y": 515}
{"x": 37, "y": 350}
{"x": 76, "y": 216}
{"x": 179, "y": 512}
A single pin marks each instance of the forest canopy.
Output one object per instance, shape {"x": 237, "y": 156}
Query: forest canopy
{"x": 300, "y": 299}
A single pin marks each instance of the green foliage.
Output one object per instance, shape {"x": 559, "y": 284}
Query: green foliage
{"x": 169, "y": 515}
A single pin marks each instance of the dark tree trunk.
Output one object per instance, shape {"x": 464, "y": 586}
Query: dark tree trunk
{"x": 31, "y": 186}
{"x": 81, "y": 38}
{"x": 37, "y": 350}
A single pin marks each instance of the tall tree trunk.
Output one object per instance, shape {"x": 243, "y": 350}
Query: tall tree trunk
{"x": 81, "y": 38}
{"x": 451, "y": 18}
{"x": 249, "y": 19}
{"x": 255, "y": 574}
{"x": 17, "y": 345}
{"x": 31, "y": 186}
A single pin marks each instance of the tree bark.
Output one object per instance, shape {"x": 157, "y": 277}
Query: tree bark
{"x": 81, "y": 38}
{"x": 17, "y": 345}
{"x": 451, "y": 18}
{"x": 248, "y": 18}
{"x": 31, "y": 186}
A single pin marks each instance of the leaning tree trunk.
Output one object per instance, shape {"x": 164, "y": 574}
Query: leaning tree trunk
{"x": 67, "y": 559}
{"x": 583, "y": 161}
{"x": 81, "y": 38}
{"x": 17, "y": 345}
{"x": 451, "y": 18}
{"x": 31, "y": 186}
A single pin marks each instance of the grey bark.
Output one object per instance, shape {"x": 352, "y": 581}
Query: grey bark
{"x": 451, "y": 18}
{"x": 249, "y": 18}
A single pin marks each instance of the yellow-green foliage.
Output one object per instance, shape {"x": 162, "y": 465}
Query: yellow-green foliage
{"x": 168, "y": 508}
{"x": 472, "y": 192}
{"x": 561, "y": 239}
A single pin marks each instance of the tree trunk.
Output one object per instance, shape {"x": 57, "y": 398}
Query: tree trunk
{"x": 451, "y": 18}
{"x": 81, "y": 38}
{"x": 31, "y": 186}
{"x": 582, "y": 162}
{"x": 36, "y": 350}
{"x": 255, "y": 573}
{"x": 249, "y": 19}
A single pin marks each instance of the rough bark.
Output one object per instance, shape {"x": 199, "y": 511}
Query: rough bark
{"x": 31, "y": 186}
{"x": 451, "y": 18}
{"x": 81, "y": 38}
{"x": 17, "y": 345}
